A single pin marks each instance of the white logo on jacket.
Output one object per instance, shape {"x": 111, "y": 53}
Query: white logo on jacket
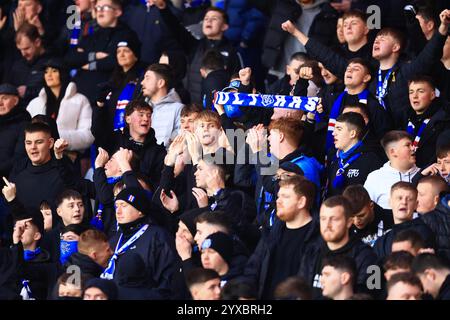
{"x": 353, "y": 173}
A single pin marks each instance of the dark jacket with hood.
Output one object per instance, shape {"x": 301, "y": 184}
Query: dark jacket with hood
{"x": 356, "y": 172}
{"x": 311, "y": 267}
{"x": 439, "y": 114}
{"x": 157, "y": 251}
{"x": 196, "y": 49}
{"x": 88, "y": 267}
{"x": 12, "y": 146}
{"x": 438, "y": 221}
{"x": 323, "y": 28}
{"x": 383, "y": 245}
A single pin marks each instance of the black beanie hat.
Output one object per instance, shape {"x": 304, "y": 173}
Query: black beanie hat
{"x": 188, "y": 218}
{"x": 36, "y": 215}
{"x": 108, "y": 287}
{"x": 132, "y": 43}
{"x": 222, "y": 243}
{"x": 135, "y": 197}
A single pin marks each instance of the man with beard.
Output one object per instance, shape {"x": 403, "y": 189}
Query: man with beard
{"x": 279, "y": 255}
{"x": 335, "y": 223}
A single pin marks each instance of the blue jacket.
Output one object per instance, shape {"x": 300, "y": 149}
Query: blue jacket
{"x": 246, "y": 24}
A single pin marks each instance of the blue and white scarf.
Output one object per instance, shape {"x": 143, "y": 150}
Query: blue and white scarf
{"x": 339, "y": 180}
{"x": 109, "y": 271}
{"x": 234, "y": 100}
{"x": 411, "y": 128}
{"x": 336, "y": 111}
{"x": 26, "y": 293}
{"x": 382, "y": 86}
{"x": 75, "y": 39}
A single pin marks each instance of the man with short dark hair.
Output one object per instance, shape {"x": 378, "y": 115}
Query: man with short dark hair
{"x": 338, "y": 277}
{"x": 426, "y": 118}
{"x": 369, "y": 221}
{"x": 403, "y": 201}
{"x": 353, "y": 161}
{"x": 434, "y": 275}
{"x": 214, "y": 76}
{"x": 204, "y": 284}
{"x": 27, "y": 73}
{"x": 157, "y": 86}
{"x": 137, "y": 136}
{"x": 404, "y": 286}
{"x": 408, "y": 240}
{"x": 37, "y": 177}
{"x": 335, "y": 222}
{"x": 396, "y": 262}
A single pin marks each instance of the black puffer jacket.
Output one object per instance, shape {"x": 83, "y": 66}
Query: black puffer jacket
{"x": 438, "y": 221}
{"x": 383, "y": 245}
{"x": 12, "y": 146}
{"x": 323, "y": 28}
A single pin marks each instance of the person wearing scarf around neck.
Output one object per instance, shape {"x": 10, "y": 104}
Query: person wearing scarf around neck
{"x": 119, "y": 90}
{"x": 353, "y": 161}
{"x": 34, "y": 273}
{"x": 427, "y": 118}
{"x": 138, "y": 234}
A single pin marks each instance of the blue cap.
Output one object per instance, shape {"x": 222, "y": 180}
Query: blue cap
{"x": 7, "y": 88}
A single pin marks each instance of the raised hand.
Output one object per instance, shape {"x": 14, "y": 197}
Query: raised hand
{"x": 19, "y": 229}
{"x": 123, "y": 158}
{"x": 2, "y": 20}
{"x": 201, "y": 196}
{"x": 160, "y": 4}
{"x": 194, "y": 147}
{"x": 102, "y": 158}
{"x": 444, "y": 16}
{"x": 59, "y": 147}
{"x": 18, "y": 18}
{"x": 9, "y": 190}
{"x": 175, "y": 149}
{"x": 245, "y": 75}
{"x": 171, "y": 204}
{"x": 184, "y": 247}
